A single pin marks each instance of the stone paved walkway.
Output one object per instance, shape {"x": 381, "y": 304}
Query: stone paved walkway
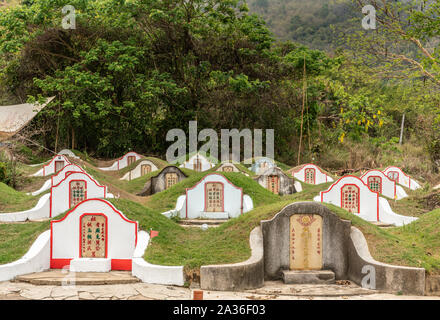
{"x": 142, "y": 291}
{"x": 63, "y": 277}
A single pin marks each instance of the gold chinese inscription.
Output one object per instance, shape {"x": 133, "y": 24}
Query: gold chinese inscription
{"x": 305, "y": 242}
{"x": 93, "y": 236}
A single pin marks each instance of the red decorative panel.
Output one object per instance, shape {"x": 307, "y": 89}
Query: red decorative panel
{"x": 350, "y": 198}
{"x": 375, "y": 183}
{"x": 309, "y": 175}
{"x": 78, "y": 192}
{"x": 393, "y": 175}
{"x": 93, "y": 236}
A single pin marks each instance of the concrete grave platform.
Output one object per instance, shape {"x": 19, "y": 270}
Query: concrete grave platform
{"x": 328, "y": 243}
{"x": 278, "y": 288}
{"x": 64, "y": 277}
{"x": 308, "y": 276}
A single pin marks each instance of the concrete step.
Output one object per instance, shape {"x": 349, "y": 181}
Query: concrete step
{"x": 199, "y": 223}
{"x": 308, "y": 276}
{"x": 64, "y": 277}
{"x": 383, "y": 224}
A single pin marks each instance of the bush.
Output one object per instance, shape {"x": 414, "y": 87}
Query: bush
{"x": 3, "y": 172}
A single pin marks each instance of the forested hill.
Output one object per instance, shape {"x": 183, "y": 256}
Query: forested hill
{"x": 131, "y": 70}
{"x": 305, "y": 21}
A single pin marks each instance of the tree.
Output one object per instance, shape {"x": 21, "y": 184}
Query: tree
{"x": 403, "y": 42}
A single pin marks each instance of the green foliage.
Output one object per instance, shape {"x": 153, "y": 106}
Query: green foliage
{"x": 3, "y": 176}
{"x": 306, "y": 22}
{"x": 13, "y": 201}
{"x": 131, "y": 71}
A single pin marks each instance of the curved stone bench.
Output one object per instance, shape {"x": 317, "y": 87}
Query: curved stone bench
{"x": 238, "y": 276}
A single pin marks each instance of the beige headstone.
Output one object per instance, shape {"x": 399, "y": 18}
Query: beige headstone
{"x": 93, "y": 236}
{"x": 305, "y": 242}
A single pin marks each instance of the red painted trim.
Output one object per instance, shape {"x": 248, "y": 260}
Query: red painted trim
{"x": 51, "y": 240}
{"x": 54, "y": 159}
{"x": 116, "y": 264}
{"x": 72, "y": 210}
{"x": 70, "y": 190}
{"x": 67, "y": 176}
{"x": 291, "y": 171}
{"x": 398, "y": 169}
{"x": 358, "y": 195}
{"x": 368, "y": 182}
{"x": 357, "y": 178}
{"x": 80, "y": 231}
{"x": 95, "y": 199}
{"x": 384, "y": 176}
{"x": 204, "y": 178}
{"x": 50, "y": 202}
{"x": 304, "y": 166}
{"x": 59, "y": 263}
{"x": 122, "y": 264}
{"x": 343, "y": 177}
{"x": 137, "y": 154}
{"x": 223, "y": 194}
{"x": 84, "y": 173}
{"x": 378, "y": 209}
{"x": 66, "y": 172}
{"x": 314, "y": 175}
{"x": 394, "y": 173}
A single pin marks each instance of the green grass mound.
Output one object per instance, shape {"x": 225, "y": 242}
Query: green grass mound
{"x": 166, "y": 200}
{"x": 13, "y": 201}
{"x": 17, "y": 238}
{"x": 159, "y": 163}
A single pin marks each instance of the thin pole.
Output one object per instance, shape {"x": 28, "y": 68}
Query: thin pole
{"x": 401, "y": 129}
{"x": 302, "y": 112}
{"x": 308, "y": 117}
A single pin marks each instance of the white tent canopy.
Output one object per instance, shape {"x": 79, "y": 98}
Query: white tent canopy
{"x": 14, "y": 118}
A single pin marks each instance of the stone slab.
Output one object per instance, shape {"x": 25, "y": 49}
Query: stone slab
{"x": 432, "y": 285}
{"x": 308, "y": 276}
{"x": 64, "y": 277}
{"x": 90, "y": 265}
{"x": 214, "y": 215}
{"x": 272, "y": 290}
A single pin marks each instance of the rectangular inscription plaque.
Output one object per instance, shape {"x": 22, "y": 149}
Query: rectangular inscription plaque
{"x": 305, "y": 242}
{"x": 93, "y": 236}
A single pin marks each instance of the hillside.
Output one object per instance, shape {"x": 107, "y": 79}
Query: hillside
{"x": 411, "y": 245}
{"x": 306, "y": 22}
